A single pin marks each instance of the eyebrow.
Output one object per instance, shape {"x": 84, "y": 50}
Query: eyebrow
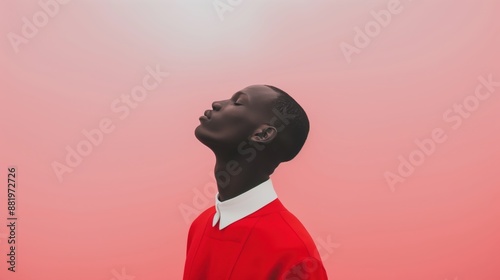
{"x": 239, "y": 93}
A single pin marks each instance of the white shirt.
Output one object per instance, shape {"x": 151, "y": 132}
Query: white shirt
{"x": 238, "y": 207}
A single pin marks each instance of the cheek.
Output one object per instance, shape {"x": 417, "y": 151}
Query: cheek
{"x": 235, "y": 121}
{"x": 235, "y": 127}
{"x": 231, "y": 120}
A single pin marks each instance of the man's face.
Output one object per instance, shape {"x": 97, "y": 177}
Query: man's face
{"x": 233, "y": 121}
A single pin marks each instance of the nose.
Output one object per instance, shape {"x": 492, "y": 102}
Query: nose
{"x": 216, "y": 106}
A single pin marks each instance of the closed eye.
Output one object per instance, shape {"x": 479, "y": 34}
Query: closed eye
{"x": 237, "y": 104}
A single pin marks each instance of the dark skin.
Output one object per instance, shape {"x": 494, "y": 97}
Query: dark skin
{"x": 242, "y": 120}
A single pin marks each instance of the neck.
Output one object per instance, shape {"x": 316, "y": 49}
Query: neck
{"x": 236, "y": 176}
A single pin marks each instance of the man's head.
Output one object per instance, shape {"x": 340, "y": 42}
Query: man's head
{"x": 261, "y": 117}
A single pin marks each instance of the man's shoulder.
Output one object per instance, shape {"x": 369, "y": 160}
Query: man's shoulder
{"x": 281, "y": 217}
{"x": 285, "y": 228}
{"x": 204, "y": 216}
{"x": 197, "y": 226}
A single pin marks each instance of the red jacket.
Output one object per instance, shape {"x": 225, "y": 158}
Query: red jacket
{"x": 268, "y": 244}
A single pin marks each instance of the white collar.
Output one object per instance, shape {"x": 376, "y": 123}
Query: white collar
{"x": 236, "y": 208}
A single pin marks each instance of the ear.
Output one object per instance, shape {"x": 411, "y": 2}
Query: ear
{"x": 264, "y": 134}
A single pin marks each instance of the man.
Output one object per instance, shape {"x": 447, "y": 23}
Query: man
{"x": 249, "y": 234}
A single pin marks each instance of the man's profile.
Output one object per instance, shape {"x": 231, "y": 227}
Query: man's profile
{"x": 248, "y": 233}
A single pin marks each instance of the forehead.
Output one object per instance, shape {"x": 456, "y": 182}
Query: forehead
{"x": 258, "y": 94}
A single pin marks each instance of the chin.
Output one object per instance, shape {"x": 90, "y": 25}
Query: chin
{"x": 197, "y": 133}
{"x": 202, "y": 137}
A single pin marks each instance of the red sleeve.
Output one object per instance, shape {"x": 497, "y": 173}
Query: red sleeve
{"x": 189, "y": 238}
{"x": 309, "y": 268}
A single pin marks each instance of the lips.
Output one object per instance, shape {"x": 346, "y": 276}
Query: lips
{"x": 208, "y": 114}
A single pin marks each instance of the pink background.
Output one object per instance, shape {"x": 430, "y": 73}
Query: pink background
{"x": 118, "y": 212}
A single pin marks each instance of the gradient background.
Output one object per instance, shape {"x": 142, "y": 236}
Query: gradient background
{"x": 118, "y": 212}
